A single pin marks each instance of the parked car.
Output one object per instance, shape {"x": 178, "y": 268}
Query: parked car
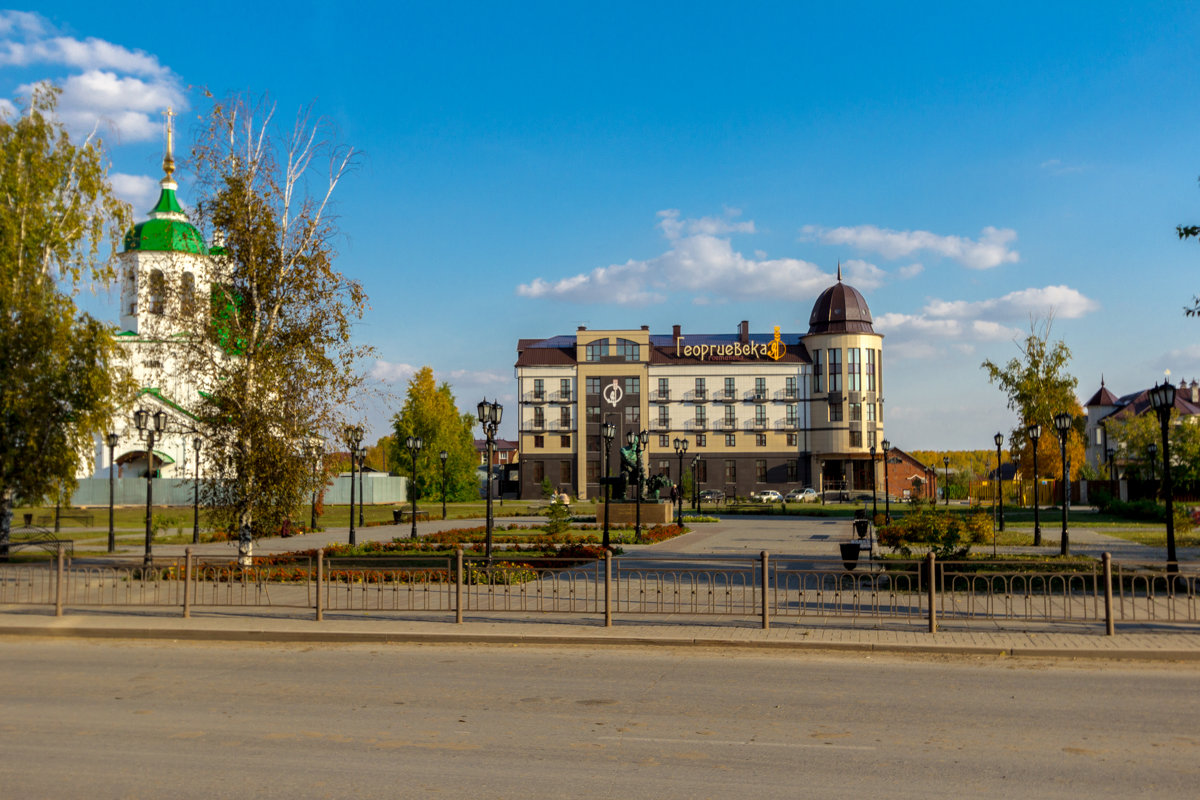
{"x": 712, "y": 496}
{"x": 766, "y": 496}
{"x": 808, "y": 495}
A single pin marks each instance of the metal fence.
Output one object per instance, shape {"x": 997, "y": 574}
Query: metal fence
{"x": 766, "y": 588}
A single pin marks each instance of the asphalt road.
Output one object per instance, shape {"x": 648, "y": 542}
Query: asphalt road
{"x": 87, "y": 718}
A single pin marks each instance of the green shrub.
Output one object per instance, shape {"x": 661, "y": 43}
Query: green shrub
{"x": 926, "y": 529}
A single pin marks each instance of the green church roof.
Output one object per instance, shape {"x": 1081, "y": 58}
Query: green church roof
{"x": 171, "y": 235}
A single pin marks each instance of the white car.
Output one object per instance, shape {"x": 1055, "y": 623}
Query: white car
{"x": 808, "y": 495}
{"x": 766, "y": 496}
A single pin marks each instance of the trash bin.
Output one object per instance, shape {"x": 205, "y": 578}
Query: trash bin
{"x": 396, "y": 513}
{"x": 850, "y": 551}
{"x": 28, "y": 520}
{"x": 862, "y": 527}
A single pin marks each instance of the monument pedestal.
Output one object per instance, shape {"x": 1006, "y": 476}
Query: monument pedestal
{"x": 654, "y": 512}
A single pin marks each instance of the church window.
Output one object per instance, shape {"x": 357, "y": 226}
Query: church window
{"x": 158, "y": 291}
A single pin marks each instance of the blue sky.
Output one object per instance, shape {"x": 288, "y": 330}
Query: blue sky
{"x": 530, "y": 168}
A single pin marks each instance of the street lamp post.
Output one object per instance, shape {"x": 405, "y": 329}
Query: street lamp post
{"x": 489, "y": 418}
{"x": 143, "y": 419}
{"x": 946, "y": 473}
{"x": 362, "y": 462}
{"x": 196, "y": 442}
{"x": 1152, "y": 449}
{"x": 887, "y": 492}
{"x": 414, "y": 443}
{"x": 1162, "y": 400}
{"x": 999, "y": 440}
{"x": 608, "y": 432}
{"x": 695, "y": 486}
{"x": 1062, "y": 423}
{"x": 874, "y": 502}
{"x": 681, "y": 446}
{"x": 111, "y": 440}
{"x": 638, "y": 441}
{"x": 353, "y": 438}
{"x": 1034, "y": 432}
{"x": 442, "y": 456}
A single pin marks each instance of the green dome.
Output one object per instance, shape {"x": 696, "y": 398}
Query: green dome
{"x": 165, "y": 234}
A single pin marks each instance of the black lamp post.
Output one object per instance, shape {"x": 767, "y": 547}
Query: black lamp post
{"x": 1062, "y": 423}
{"x": 681, "y": 446}
{"x": 695, "y": 486}
{"x": 874, "y": 501}
{"x": 887, "y": 492}
{"x": 1034, "y": 432}
{"x": 946, "y": 473}
{"x": 1162, "y": 400}
{"x": 1112, "y": 474}
{"x": 608, "y": 432}
{"x": 638, "y": 441}
{"x": 143, "y": 419}
{"x": 353, "y": 438}
{"x": 362, "y": 462}
{"x": 1152, "y": 449}
{"x": 999, "y": 440}
{"x": 111, "y": 440}
{"x": 414, "y": 443}
{"x": 196, "y": 494}
{"x": 489, "y": 418}
{"x": 443, "y": 456}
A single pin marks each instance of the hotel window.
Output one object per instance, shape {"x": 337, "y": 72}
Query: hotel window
{"x": 701, "y": 440}
{"x": 539, "y": 441}
{"x": 870, "y": 370}
{"x": 835, "y": 412}
{"x": 818, "y": 370}
{"x": 881, "y": 411}
{"x": 856, "y": 412}
{"x": 790, "y": 388}
{"x": 627, "y": 350}
{"x": 663, "y": 392}
{"x": 701, "y": 471}
{"x": 793, "y": 474}
{"x": 870, "y": 412}
{"x": 593, "y": 386}
{"x": 760, "y": 388}
{"x": 593, "y": 413}
{"x": 730, "y": 389}
{"x": 633, "y": 386}
{"x": 730, "y": 417}
{"x": 856, "y": 438}
{"x": 790, "y": 414}
{"x": 664, "y": 440}
{"x": 760, "y": 416}
{"x": 564, "y": 388}
{"x": 539, "y": 471}
{"x": 593, "y": 471}
{"x": 664, "y": 417}
{"x": 594, "y": 351}
{"x": 564, "y": 417}
{"x": 870, "y": 438}
{"x": 564, "y": 472}
{"x": 700, "y": 390}
{"x": 539, "y": 417}
{"x": 539, "y": 389}
{"x": 760, "y": 439}
{"x": 633, "y": 416}
{"x": 701, "y": 416}
{"x": 835, "y": 370}
{"x": 664, "y": 468}
{"x": 593, "y": 444}
{"x": 760, "y": 470}
{"x": 792, "y": 439}
{"x": 730, "y": 440}
{"x": 564, "y": 441}
{"x": 730, "y": 471}
{"x": 853, "y": 369}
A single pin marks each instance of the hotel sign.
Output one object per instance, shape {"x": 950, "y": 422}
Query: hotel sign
{"x": 774, "y": 349}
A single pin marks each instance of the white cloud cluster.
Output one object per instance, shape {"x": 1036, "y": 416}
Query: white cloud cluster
{"x": 106, "y": 87}
{"x": 962, "y": 324}
{"x": 701, "y": 260}
{"x": 991, "y": 249}
{"x": 389, "y": 372}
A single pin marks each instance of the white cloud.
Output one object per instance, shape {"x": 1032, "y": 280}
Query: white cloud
{"x": 140, "y": 191}
{"x": 105, "y": 86}
{"x": 991, "y": 249}
{"x": 1059, "y": 301}
{"x": 863, "y": 275}
{"x": 388, "y": 372}
{"x": 911, "y": 271}
{"x": 700, "y": 261}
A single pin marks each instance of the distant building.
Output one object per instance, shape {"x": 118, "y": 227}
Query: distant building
{"x": 1104, "y": 406}
{"x": 504, "y": 452}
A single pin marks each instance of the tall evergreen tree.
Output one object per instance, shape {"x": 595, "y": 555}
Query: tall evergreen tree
{"x": 59, "y": 221}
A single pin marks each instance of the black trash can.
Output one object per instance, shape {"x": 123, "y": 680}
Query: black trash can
{"x": 850, "y": 551}
{"x": 396, "y": 512}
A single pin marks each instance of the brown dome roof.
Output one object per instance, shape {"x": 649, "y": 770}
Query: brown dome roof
{"x": 840, "y": 309}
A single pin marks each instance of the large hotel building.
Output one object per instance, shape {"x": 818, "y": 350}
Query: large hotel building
{"x": 759, "y": 410}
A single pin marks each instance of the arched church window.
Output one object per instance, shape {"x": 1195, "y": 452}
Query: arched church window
{"x": 158, "y": 291}
{"x": 187, "y": 294}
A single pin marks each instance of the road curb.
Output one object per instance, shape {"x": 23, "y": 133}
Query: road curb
{"x": 269, "y": 636}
